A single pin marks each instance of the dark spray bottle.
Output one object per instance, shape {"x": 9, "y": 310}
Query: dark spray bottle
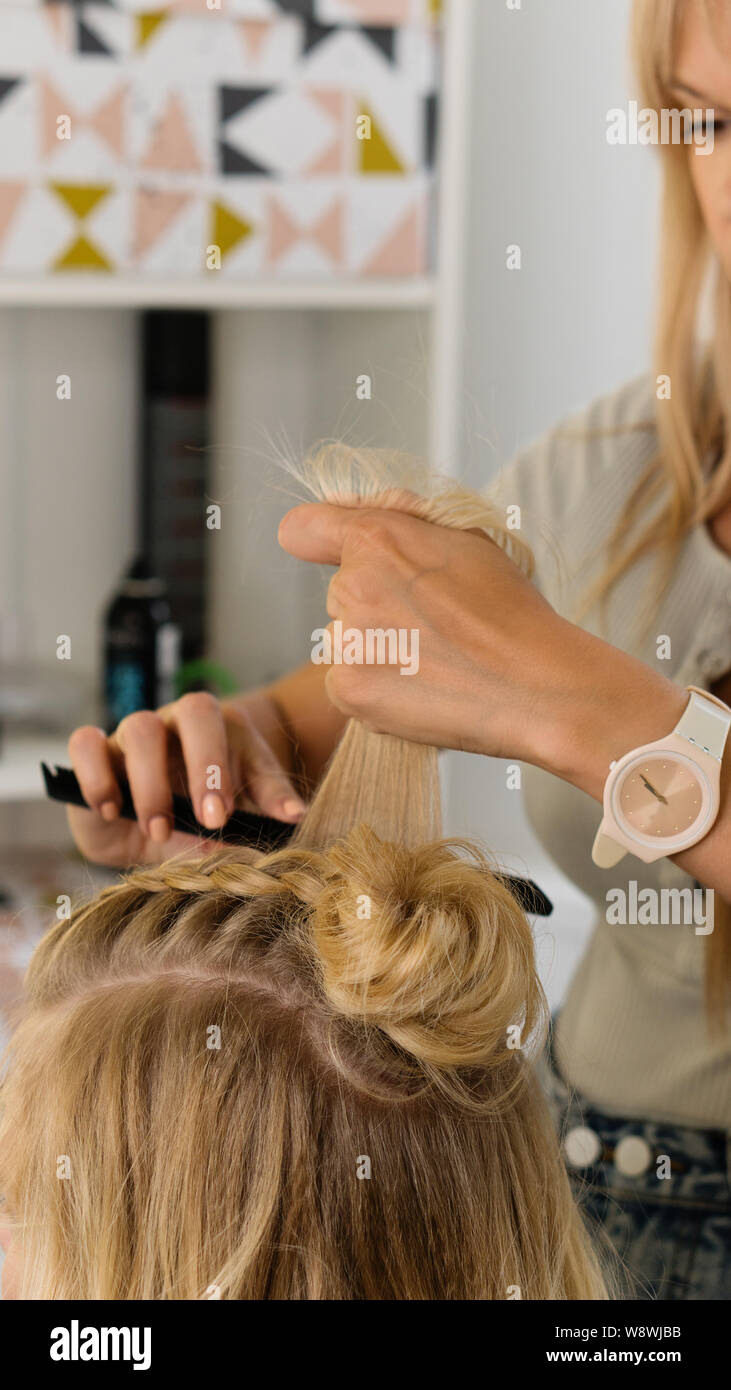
{"x": 142, "y": 647}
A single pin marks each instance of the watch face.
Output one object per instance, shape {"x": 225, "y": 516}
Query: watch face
{"x": 660, "y": 796}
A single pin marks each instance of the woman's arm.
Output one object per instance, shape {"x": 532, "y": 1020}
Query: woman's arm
{"x": 615, "y": 703}
{"x": 500, "y": 672}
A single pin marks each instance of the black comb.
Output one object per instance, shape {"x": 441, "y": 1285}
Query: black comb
{"x": 243, "y": 827}
{"x": 248, "y": 828}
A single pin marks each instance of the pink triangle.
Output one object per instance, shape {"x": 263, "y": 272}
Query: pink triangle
{"x": 171, "y": 146}
{"x": 59, "y": 17}
{"x": 254, "y": 32}
{"x": 108, "y": 121}
{"x": 331, "y": 101}
{"x": 389, "y": 12}
{"x": 10, "y": 196}
{"x": 402, "y": 253}
{"x": 328, "y": 232}
{"x": 282, "y": 232}
{"x": 153, "y": 213}
{"x": 332, "y": 161}
{"x": 52, "y": 106}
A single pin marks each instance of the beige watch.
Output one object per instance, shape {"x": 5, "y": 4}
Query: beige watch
{"x": 663, "y": 797}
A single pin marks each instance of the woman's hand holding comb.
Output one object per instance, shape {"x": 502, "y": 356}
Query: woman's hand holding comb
{"x": 212, "y": 752}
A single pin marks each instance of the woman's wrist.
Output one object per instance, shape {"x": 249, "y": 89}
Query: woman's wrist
{"x": 600, "y": 703}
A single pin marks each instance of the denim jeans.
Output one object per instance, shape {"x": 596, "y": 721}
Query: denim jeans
{"x": 670, "y": 1225}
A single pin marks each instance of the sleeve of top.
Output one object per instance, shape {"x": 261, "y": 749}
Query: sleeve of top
{"x": 571, "y": 483}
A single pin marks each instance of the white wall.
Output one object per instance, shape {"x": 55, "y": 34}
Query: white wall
{"x": 284, "y": 381}
{"x": 66, "y": 493}
{"x": 575, "y": 321}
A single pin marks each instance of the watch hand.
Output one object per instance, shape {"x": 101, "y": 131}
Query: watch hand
{"x": 650, "y": 788}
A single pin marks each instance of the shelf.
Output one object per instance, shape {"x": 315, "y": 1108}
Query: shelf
{"x": 20, "y": 764}
{"x": 216, "y": 292}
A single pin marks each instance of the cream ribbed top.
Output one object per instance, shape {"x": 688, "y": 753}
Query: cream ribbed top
{"x": 632, "y": 1034}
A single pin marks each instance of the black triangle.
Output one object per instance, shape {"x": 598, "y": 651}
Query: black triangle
{"x": 303, "y": 7}
{"x": 431, "y": 111}
{"x": 315, "y": 33}
{"x": 383, "y": 38}
{"x": 233, "y": 162}
{"x": 235, "y": 99}
{"x": 7, "y": 84}
{"x": 88, "y": 41}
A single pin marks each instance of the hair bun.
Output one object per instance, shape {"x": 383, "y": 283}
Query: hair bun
{"x": 426, "y": 945}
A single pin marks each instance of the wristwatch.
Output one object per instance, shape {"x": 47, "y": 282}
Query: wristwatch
{"x": 663, "y": 797}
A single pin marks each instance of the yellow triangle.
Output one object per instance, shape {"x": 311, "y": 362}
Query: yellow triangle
{"x": 81, "y": 198}
{"x": 376, "y": 155}
{"x": 147, "y": 24}
{"x": 81, "y": 255}
{"x": 228, "y": 229}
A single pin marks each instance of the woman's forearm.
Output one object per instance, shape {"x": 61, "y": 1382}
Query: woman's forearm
{"x": 608, "y": 704}
{"x": 298, "y": 721}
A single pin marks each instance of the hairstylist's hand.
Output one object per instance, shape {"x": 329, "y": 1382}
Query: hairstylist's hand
{"x": 486, "y": 637}
{"x": 499, "y": 670}
{"x": 169, "y": 751}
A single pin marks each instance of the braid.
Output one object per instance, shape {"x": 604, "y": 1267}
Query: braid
{"x": 288, "y": 871}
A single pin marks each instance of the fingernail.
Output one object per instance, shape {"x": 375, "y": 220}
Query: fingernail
{"x": 109, "y": 810}
{"x": 213, "y": 811}
{"x": 159, "y": 829}
{"x": 293, "y": 806}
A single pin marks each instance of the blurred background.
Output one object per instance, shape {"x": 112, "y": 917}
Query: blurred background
{"x": 211, "y": 271}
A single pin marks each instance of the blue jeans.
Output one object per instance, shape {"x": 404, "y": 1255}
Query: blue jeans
{"x": 671, "y": 1224}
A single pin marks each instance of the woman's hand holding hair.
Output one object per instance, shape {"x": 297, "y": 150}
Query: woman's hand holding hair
{"x": 500, "y": 672}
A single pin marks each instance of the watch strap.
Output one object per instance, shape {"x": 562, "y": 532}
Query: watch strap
{"x": 606, "y": 851}
{"x": 705, "y": 722}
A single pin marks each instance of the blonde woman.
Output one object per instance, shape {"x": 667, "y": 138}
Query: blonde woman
{"x": 295, "y": 1075}
{"x": 628, "y": 510}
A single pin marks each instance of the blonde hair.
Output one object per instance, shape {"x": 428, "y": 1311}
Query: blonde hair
{"x": 290, "y": 1075}
{"x": 688, "y": 479}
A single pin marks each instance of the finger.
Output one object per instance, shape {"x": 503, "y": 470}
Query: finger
{"x": 199, "y": 724}
{"x": 142, "y": 738}
{"x": 267, "y": 783}
{"x": 315, "y": 531}
{"x": 91, "y": 760}
{"x": 334, "y": 605}
{"x": 118, "y": 844}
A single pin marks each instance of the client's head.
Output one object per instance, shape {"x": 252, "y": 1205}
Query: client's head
{"x": 301, "y": 1074}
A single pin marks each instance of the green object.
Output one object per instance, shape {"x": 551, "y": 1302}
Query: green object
{"x": 205, "y": 675}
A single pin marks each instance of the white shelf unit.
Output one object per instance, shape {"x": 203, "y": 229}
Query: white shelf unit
{"x": 440, "y": 293}
{"x": 20, "y": 765}
{"x": 439, "y": 296}
{"x": 102, "y": 291}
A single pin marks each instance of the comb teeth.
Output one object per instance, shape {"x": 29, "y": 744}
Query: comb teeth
{"x": 61, "y": 785}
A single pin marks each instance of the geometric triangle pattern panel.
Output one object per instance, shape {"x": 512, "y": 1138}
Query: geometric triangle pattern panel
{"x": 176, "y": 138}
